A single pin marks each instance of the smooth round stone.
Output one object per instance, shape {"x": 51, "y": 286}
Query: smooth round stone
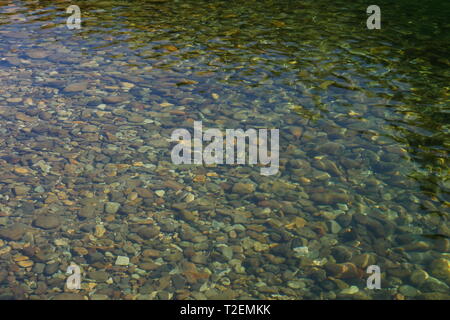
{"x": 227, "y": 252}
{"x": 330, "y": 197}
{"x": 148, "y": 232}
{"x": 114, "y": 99}
{"x": 86, "y": 212}
{"x": 37, "y": 54}
{"x": 47, "y": 222}
{"x": 51, "y": 268}
{"x": 100, "y": 276}
{"x": 76, "y": 87}
{"x": 136, "y": 118}
{"x": 408, "y": 291}
{"x": 440, "y": 268}
{"x": 39, "y": 189}
{"x": 296, "y": 284}
{"x": 112, "y": 207}
{"x": 334, "y": 226}
{"x": 14, "y": 232}
{"x": 363, "y": 260}
{"x": 350, "y": 290}
{"x": 341, "y": 254}
{"x": 243, "y": 188}
{"x": 160, "y": 193}
{"x": 122, "y": 261}
{"x": 14, "y": 100}
{"x": 418, "y": 277}
{"x": 89, "y": 128}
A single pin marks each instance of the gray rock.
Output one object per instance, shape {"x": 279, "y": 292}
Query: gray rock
{"x": 227, "y": 252}
{"x": 334, "y": 226}
{"x": 47, "y": 222}
{"x": 418, "y": 277}
{"x": 86, "y": 212}
{"x": 14, "y": 232}
{"x": 21, "y": 190}
{"x": 112, "y": 207}
{"x": 435, "y": 285}
{"x": 89, "y": 128}
{"x": 100, "y": 276}
{"x": 76, "y": 87}
{"x": 50, "y": 269}
{"x": 408, "y": 291}
{"x": 148, "y": 232}
{"x": 38, "y": 268}
{"x": 37, "y": 54}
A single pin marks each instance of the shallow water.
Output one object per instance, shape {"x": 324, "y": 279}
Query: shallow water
{"x": 86, "y": 175}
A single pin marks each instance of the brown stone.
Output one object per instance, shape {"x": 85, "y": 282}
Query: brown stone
{"x": 144, "y": 193}
{"x": 14, "y": 232}
{"x": 114, "y": 99}
{"x": 330, "y": 197}
{"x": 243, "y": 188}
{"x": 148, "y": 232}
{"x": 76, "y": 87}
{"x": 151, "y": 253}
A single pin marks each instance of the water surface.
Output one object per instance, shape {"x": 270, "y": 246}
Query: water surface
{"x": 86, "y": 175}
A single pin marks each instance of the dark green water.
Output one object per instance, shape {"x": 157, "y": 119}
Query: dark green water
{"x": 86, "y": 175}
